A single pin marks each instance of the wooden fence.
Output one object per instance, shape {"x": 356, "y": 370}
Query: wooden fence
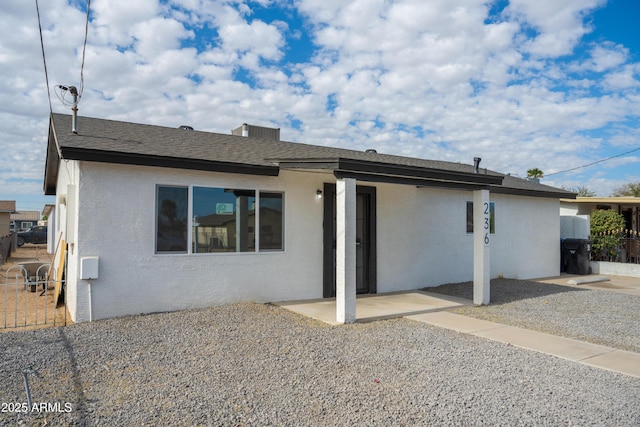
{"x": 6, "y": 246}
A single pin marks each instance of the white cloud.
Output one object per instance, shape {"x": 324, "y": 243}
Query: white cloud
{"x": 257, "y": 37}
{"x": 560, "y": 24}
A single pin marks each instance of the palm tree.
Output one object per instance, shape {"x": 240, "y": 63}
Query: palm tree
{"x": 535, "y": 173}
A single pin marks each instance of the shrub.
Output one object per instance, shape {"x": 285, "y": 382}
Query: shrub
{"x": 607, "y": 231}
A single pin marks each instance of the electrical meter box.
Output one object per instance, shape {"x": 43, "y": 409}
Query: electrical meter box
{"x": 89, "y": 268}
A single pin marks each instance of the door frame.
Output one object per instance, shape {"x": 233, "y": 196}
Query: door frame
{"x": 329, "y": 233}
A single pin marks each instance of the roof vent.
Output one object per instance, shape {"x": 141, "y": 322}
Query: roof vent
{"x": 476, "y": 164}
{"x": 185, "y": 127}
{"x": 252, "y": 131}
{"x": 370, "y": 150}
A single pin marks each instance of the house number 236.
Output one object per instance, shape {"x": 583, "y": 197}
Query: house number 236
{"x": 486, "y": 212}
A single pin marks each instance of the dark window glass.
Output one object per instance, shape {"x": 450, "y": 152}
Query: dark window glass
{"x": 223, "y": 220}
{"x": 271, "y": 229}
{"x": 171, "y": 219}
{"x": 492, "y": 217}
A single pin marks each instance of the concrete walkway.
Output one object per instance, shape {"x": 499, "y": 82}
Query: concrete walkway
{"x": 624, "y": 362}
{"x": 431, "y": 308}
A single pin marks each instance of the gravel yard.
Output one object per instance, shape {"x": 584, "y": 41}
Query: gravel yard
{"x": 599, "y": 317}
{"x": 253, "y": 364}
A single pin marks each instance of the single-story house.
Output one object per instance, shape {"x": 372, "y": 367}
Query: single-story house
{"x": 7, "y": 208}
{"x": 23, "y": 220}
{"x": 161, "y": 219}
{"x": 629, "y": 207}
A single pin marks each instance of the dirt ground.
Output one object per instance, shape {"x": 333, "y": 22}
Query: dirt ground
{"x": 20, "y": 308}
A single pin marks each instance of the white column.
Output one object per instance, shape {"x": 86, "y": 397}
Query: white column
{"x": 481, "y": 247}
{"x": 346, "y": 250}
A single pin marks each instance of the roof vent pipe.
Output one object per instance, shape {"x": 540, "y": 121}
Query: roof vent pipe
{"x": 245, "y": 130}
{"x": 74, "y": 109}
{"x": 476, "y": 164}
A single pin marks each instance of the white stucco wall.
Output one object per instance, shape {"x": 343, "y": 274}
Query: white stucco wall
{"x": 422, "y": 238}
{"x": 66, "y": 226}
{"x": 421, "y": 241}
{"x": 118, "y": 225}
{"x": 527, "y": 240}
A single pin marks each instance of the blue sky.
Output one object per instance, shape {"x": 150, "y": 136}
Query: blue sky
{"x": 544, "y": 84}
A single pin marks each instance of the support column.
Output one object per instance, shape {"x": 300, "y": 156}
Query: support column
{"x": 346, "y": 250}
{"x": 481, "y": 247}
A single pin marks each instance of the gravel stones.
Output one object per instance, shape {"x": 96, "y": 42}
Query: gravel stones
{"x": 600, "y": 317}
{"x": 253, "y": 364}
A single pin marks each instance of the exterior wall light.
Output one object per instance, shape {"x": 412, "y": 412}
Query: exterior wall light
{"x": 318, "y": 194}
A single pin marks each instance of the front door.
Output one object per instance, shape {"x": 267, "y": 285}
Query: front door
{"x": 365, "y": 240}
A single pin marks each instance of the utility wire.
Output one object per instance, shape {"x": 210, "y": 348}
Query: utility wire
{"x": 63, "y": 90}
{"x": 594, "y": 163}
{"x": 44, "y": 60}
{"x": 84, "y": 48}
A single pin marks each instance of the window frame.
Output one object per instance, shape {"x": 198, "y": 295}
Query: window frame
{"x": 157, "y": 217}
{"x": 258, "y": 195}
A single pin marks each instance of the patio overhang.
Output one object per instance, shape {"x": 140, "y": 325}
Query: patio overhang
{"x": 371, "y": 171}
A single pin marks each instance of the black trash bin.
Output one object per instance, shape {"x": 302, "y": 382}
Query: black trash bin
{"x": 575, "y": 256}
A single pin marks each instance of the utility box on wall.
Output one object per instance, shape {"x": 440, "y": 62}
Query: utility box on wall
{"x": 89, "y": 267}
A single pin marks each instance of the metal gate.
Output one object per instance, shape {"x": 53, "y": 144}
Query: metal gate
{"x": 32, "y": 296}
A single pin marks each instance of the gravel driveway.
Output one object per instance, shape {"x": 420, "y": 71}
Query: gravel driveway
{"x": 253, "y": 364}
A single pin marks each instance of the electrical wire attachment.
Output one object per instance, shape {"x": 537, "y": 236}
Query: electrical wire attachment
{"x": 63, "y": 92}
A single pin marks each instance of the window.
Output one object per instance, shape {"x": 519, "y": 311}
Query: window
{"x": 222, "y": 220}
{"x": 492, "y": 217}
{"x": 171, "y": 219}
{"x": 271, "y": 236}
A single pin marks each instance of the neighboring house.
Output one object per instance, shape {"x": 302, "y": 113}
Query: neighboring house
{"x": 629, "y": 207}
{"x": 181, "y": 219}
{"x": 24, "y": 220}
{"x": 7, "y": 208}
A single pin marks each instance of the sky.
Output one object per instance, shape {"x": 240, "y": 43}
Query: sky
{"x": 547, "y": 84}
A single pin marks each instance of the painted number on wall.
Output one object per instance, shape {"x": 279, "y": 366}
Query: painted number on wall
{"x": 486, "y": 220}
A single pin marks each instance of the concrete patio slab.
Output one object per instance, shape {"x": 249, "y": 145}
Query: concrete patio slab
{"x": 376, "y": 307}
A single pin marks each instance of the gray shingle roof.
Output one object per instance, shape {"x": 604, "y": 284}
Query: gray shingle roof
{"x": 123, "y": 142}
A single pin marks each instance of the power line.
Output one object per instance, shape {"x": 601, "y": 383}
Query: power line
{"x": 594, "y": 163}
{"x": 44, "y": 60}
{"x": 84, "y": 48}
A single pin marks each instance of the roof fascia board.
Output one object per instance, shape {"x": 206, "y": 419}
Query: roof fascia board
{"x": 330, "y": 164}
{"x": 168, "y": 162}
{"x": 377, "y": 169}
{"x": 407, "y": 180}
{"x": 52, "y": 162}
{"x": 417, "y": 172}
{"x": 528, "y": 193}
{"x": 604, "y": 200}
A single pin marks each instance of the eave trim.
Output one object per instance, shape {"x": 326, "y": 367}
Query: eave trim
{"x": 167, "y": 162}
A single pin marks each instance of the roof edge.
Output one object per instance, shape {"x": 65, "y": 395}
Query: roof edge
{"x": 114, "y": 157}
